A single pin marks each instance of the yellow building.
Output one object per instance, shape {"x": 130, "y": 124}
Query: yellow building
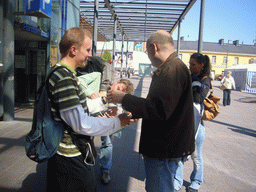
{"x": 222, "y": 55}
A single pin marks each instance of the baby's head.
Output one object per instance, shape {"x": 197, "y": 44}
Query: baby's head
{"x": 123, "y": 85}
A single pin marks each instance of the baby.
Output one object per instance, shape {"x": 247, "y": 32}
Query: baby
{"x": 123, "y": 85}
{"x": 96, "y": 99}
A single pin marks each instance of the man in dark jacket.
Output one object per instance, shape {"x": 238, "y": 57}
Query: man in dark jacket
{"x": 167, "y": 133}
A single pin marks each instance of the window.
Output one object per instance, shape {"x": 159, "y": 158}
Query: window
{"x": 180, "y": 57}
{"x": 225, "y": 60}
{"x": 213, "y": 59}
{"x": 236, "y": 61}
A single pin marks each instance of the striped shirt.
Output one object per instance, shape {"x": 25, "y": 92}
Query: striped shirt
{"x": 67, "y": 94}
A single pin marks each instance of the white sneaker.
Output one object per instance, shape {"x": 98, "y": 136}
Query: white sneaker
{"x": 105, "y": 178}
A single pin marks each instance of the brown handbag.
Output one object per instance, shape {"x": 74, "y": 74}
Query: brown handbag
{"x": 223, "y": 85}
{"x": 211, "y": 106}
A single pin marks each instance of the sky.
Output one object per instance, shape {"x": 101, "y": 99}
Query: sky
{"x": 223, "y": 19}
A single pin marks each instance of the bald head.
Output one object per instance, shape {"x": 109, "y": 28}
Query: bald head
{"x": 159, "y": 46}
{"x": 162, "y": 38}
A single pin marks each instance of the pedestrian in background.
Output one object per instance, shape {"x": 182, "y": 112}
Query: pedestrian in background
{"x": 200, "y": 69}
{"x": 167, "y": 133}
{"x": 230, "y": 83}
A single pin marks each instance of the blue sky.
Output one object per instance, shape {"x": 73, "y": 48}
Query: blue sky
{"x": 227, "y": 19}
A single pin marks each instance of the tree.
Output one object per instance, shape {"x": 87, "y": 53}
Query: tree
{"x": 107, "y": 56}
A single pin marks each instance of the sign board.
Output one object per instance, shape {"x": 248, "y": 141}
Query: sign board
{"x": 129, "y": 60}
{"x": 138, "y": 46}
{"x": 144, "y": 70}
{"x": 34, "y": 30}
{"x": 39, "y": 8}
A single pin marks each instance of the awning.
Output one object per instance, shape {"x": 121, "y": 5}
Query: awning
{"x": 84, "y": 24}
{"x": 136, "y": 19}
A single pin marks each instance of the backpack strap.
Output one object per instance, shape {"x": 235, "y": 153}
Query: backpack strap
{"x": 50, "y": 96}
{"x": 47, "y": 82}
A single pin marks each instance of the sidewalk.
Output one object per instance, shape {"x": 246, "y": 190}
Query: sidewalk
{"x": 229, "y": 155}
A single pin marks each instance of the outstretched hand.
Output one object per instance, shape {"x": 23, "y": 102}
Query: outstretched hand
{"x": 95, "y": 95}
{"x": 134, "y": 120}
{"x": 115, "y": 96}
{"x": 112, "y": 112}
{"x": 125, "y": 118}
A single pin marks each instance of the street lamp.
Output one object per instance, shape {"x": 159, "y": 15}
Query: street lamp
{"x": 227, "y": 53}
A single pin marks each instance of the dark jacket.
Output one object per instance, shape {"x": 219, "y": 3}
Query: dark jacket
{"x": 200, "y": 92}
{"x": 167, "y": 112}
{"x": 200, "y": 85}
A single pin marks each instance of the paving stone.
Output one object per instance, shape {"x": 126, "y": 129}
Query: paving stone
{"x": 228, "y": 151}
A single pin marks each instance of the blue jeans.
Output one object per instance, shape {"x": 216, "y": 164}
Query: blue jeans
{"x": 226, "y": 97}
{"x": 160, "y": 174}
{"x": 106, "y": 151}
{"x": 196, "y": 176}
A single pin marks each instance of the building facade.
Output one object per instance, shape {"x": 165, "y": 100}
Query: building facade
{"x": 30, "y": 32}
{"x": 222, "y": 55}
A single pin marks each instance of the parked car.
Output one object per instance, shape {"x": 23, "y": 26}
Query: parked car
{"x": 219, "y": 77}
{"x": 136, "y": 73}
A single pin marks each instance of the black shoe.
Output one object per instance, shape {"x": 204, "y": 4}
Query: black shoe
{"x": 105, "y": 178}
{"x": 192, "y": 190}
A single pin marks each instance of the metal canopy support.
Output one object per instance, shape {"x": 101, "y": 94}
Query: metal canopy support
{"x": 122, "y": 55}
{"x": 178, "y": 42}
{"x": 201, "y": 27}
{"x": 8, "y": 60}
{"x": 127, "y": 54}
{"x": 112, "y": 11}
{"x": 114, "y": 44}
{"x": 136, "y": 19}
{"x": 95, "y": 27}
{"x": 182, "y": 16}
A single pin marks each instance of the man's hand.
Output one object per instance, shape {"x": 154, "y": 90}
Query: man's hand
{"x": 125, "y": 118}
{"x": 95, "y": 95}
{"x": 134, "y": 120}
{"x": 111, "y": 113}
{"x": 115, "y": 96}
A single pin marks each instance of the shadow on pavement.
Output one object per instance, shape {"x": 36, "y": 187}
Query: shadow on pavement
{"x": 23, "y": 119}
{"x": 127, "y": 163}
{"x": 35, "y": 181}
{"x": 9, "y": 143}
{"x": 7, "y": 190}
{"x": 238, "y": 129}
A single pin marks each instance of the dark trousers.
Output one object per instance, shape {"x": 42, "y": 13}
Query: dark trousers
{"x": 226, "y": 97}
{"x": 69, "y": 174}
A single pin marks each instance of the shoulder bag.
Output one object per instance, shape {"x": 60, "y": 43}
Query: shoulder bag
{"x": 211, "y": 105}
{"x": 223, "y": 86}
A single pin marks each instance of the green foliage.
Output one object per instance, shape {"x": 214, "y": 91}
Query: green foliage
{"x": 107, "y": 56}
